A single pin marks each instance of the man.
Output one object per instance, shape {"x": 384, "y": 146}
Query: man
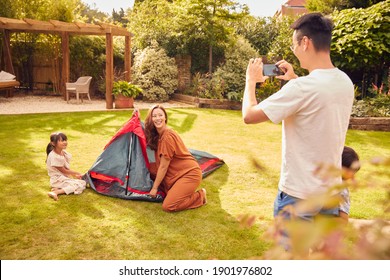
{"x": 314, "y": 109}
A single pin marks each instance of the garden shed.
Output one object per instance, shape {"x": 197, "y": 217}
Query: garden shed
{"x": 64, "y": 30}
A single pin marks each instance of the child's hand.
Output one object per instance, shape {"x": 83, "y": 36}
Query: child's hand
{"x": 78, "y": 175}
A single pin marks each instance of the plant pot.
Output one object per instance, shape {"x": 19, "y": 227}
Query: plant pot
{"x": 123, "y": 102}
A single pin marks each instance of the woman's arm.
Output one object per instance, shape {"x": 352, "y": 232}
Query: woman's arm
{"x": 162, "y": 170}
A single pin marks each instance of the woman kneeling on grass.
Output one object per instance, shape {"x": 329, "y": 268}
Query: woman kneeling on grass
{"x": 58, "y": 168}
{"x": 178, "y": 173}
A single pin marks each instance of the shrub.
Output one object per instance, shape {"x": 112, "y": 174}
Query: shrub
{"x": 232, "y": 72}
{"x": 126, "y": 89}
{"x": 372, "y": 107}
{"x": 155, "y": 73}
{"x": 206, "y": 86}
{"x": 377, "y": 106}
{"x": 269, "y": 87}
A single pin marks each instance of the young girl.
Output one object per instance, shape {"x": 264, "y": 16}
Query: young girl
{"x": 58, "y": 168}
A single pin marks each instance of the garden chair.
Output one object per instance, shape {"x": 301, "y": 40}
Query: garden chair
{"x": 80, "y": 87}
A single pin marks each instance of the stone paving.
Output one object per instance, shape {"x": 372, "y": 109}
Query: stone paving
{"x": 50, "y": 104}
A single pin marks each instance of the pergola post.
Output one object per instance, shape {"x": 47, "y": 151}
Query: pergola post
{"x": 109, "y": 70}
{"x": 128, "y": 58}
{"x": 7, "y": 53}
{"x": 65, "y": 62}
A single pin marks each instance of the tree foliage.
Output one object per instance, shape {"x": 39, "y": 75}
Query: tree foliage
{"x": 260, "y": 32}
{"x": 154, "y": 20}
{"x": 92, "y": 14}
{"x": 209, "y": 19}
{"x": 120, "y": 17}
{"x": 232, "y": 72}
{"x": 361, "y": 40}
{"x": 328, "y": 6}
{"x": 63, "y": 10}
{"x": 196, "y": 27}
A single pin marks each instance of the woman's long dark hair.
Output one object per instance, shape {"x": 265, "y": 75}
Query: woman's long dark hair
{"x": 54, "y": 138}
{"x": 150, "y": 130}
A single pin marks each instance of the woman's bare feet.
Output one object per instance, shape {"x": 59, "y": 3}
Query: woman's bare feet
{"x": 53, "y": 195}
{"x": 204, "y": 196}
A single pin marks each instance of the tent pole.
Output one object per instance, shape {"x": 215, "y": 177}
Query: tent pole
{"x": 129, "y": 162}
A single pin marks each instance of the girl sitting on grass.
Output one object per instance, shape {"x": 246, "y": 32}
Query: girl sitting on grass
{"x": 58, "y": 168}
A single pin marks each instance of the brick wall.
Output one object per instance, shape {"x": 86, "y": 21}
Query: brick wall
{"x": 183, "y": 63}
{"x": 376, "y": 124}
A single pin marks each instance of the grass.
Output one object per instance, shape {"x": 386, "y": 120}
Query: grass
{"x": 92, "y": 226}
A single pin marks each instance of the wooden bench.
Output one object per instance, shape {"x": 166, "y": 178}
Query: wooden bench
{"x": 8, "y": 86}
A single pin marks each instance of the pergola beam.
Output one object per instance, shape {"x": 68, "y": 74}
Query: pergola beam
{"x": 56, "y": 26}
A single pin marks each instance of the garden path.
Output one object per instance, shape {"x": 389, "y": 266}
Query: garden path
{"x": 28, "y": 104}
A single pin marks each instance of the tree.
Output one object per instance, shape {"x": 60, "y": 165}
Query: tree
{"x": 361, "y": 42}
{"x": 186, "y": 27}
{"x": 119, "y": 17}
{"x": 324, "y": 6}
{"x": 210, "y": 20}
{"x": 91, "y": 14}
{"x": 328, "y": 6}
{"x": 64, "y": 10}
{"x": 260, "y": 32}
{"x": 232, "y": 72}
{"x": 154, "y": 20}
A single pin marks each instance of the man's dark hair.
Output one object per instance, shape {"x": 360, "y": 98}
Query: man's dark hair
{"x": 316, "y": 27}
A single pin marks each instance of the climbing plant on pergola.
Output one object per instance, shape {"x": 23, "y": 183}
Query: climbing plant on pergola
{"x": 64, "y": 30}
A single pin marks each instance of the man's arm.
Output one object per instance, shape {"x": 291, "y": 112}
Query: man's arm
{"x": 251, "y": 112}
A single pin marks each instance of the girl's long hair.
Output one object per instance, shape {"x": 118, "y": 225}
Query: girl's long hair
{"x": 150, "y": 130}
{"x": 54, "y": 138}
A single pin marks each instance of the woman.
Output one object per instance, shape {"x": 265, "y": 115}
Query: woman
{"x": 178, "y": 173}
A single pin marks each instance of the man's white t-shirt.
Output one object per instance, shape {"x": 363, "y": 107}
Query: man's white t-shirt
{"x": 315, "y": 110}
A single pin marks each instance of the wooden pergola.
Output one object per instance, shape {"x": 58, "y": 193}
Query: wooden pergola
{"x": 65, "y": 29}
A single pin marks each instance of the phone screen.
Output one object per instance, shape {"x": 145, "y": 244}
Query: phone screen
{"x": 271, "y": 70}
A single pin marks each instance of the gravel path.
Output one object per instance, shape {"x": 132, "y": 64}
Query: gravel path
{"x": 50, "y": 104}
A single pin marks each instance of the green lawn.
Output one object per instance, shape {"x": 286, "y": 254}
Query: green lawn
{"x": 92, "y": 226}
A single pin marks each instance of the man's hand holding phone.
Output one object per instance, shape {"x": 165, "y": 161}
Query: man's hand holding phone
{"x": 254, "y": 71}
{"x": 287, "y": 71}
{"x": 272, "y": 70}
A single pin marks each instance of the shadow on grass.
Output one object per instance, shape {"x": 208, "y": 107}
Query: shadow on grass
{"x": 181, "y": 120}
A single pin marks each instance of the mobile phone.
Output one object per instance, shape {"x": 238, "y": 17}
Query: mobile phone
{"x": 271, "y": 70}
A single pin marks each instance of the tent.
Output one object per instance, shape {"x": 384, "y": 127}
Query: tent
{"x": 123, "y": 169}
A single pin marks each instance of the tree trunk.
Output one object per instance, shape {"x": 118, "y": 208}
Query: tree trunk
{"x": 210, "y": 59}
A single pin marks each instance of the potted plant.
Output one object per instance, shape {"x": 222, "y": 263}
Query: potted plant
{"x": 124, "y": 93}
